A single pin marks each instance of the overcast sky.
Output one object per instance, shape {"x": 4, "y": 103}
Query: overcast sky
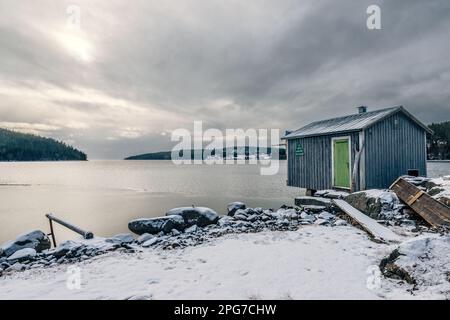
{"x": 136, "y": 70}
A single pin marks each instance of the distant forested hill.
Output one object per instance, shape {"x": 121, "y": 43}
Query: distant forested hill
{"x": 163, "y": 155}
{"x": 167, "y": 155}
{"x": 439, "y": 142}
{"x": 15, "y": 146}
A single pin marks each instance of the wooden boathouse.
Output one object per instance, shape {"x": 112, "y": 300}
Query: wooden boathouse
{"x": 361, "y": 151}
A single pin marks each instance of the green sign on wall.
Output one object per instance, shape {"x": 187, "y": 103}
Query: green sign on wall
{"x": 299, "y": 151}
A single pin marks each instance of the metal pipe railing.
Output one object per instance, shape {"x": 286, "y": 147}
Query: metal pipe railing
{"x": 51, "y": 218}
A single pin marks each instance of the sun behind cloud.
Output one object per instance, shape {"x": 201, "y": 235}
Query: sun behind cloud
{"x": 76, "y": 45}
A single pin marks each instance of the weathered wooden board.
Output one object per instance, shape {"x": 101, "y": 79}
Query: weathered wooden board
{"x": 378, "y": 231}
{"x": 434, "y": 212}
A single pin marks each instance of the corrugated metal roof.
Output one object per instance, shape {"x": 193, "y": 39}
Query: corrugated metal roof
{"x": 354, "y": 122}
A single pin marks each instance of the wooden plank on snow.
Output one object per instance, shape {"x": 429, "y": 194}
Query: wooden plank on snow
{"x": 434, "y": 212}
{"x": 375, "y": 229}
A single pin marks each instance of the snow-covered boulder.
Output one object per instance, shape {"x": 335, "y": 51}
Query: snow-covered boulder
{"x": 339, "y": 222}
{"x": 200, "y": 216}
{"x": 234, "y": 206}
{"x": 144, "y": 237}
{"x": 157, "y": 225}
{"x": 307, "y": 217}
{"x": 22, "y": 254}
{"x": 373, "y": 202}
{"x": 326, "y": 215}
{"x": 191, "y": 229}
{"x": 423, "y": 261}
{"x": 120, "y": 239}
{"x": 322, "y": 222}
{"x": 151, "y": 242}
{"x": 36, "y": 240}
{"x": 240, "y": 214}
{"x": 66, "y": 247}
{"x": 225, "y": 221}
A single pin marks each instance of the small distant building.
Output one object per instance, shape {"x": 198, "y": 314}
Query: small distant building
{"x": 357, "y": 152}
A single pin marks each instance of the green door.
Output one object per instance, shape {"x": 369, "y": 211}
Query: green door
{"x": 341, "y": 163}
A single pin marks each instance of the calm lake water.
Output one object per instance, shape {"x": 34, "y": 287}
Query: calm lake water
{"x": 102, "y": 196}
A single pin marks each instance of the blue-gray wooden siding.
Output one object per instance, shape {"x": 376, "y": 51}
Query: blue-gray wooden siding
{"x": 313, "y": 170}
{"x": 393, "y": 146}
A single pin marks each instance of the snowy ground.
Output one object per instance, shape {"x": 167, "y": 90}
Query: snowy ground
{"x": 314, "y": 262}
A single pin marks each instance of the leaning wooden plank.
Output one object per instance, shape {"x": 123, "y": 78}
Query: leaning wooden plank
{"x": 434, "y": 212}
{"x": 378, "y": 231}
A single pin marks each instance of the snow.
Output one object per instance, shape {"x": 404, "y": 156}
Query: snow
{"x": 426, "y": 259}
{"x": 329, "y": 193}
{"x": 374, "y": 193}
{"x": 444, "y": 183}
{"x": 376, "y": 229}
{"x": 312, "y": 263}
{"x": 22, "y": 253}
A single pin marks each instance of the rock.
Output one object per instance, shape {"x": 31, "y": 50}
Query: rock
{"x": 253, "y": 218}
{"x": 17, "y": 267}
{"x": 321, "y": 222}
{"x": 200, "y": 216}
{"x": 435, "y": 191}
{"x": 150, "y": 242}
{"x": 326, "y": 215}
{"x": 64, "y": 248}
{"x": 331, "y": 194}
{"x": 121, "y": 239}
{"x": 240, "y": 215}
{"x": 157, "y": 225}
{"x": 306, "y": 216}
{"x": 4, "y": 265}
{"x": 234, "y": 206}
{"x": 423, "y": 260}
{"x": 312, "y": 201}
{"x": 290, "y": 214}
{"x": 373, "y": 202}
{"x": 225, "y": 221}
{"x": 36, "y": 240}
{"x": 314, "y": 209}
{"x": 191, "y": 229}
{"x": 22, "y": 254}
{"x": 144, "y": 237}
{"x": 175, "y": 232}
{"x": 445, "y": 200}
{"x": 340, "y": 222}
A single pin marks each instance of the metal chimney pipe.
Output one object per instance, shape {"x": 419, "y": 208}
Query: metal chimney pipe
{"x": 362, "y": 109}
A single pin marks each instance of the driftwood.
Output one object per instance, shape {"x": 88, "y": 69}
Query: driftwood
{"x": 432, "y": 211}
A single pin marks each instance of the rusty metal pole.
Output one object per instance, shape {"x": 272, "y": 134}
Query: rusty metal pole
{"x": 85, "y": 234}
{"x": 52, "y": 233}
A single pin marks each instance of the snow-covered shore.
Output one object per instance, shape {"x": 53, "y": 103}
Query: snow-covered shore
{"x": 314, "y": 262}
{"x": 304, "y": 252}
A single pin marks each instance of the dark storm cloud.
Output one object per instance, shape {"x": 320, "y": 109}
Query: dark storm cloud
{"x": 147, "y": 67}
